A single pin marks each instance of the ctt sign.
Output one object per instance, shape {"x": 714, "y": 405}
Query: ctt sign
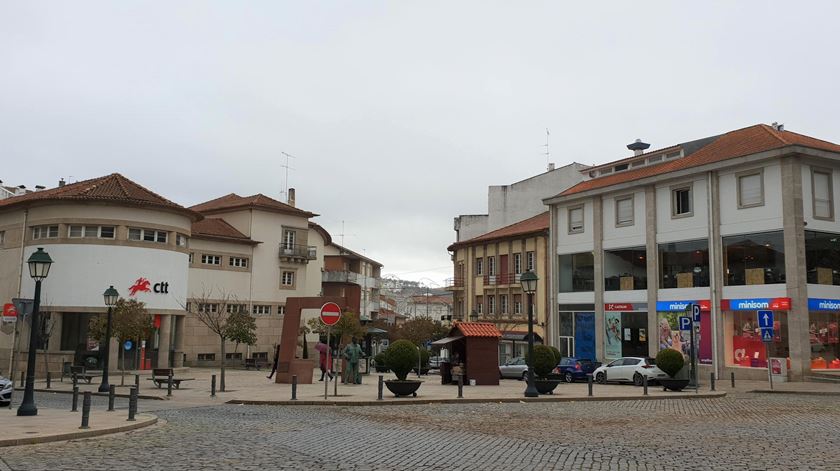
{"x": 143, "y": 285}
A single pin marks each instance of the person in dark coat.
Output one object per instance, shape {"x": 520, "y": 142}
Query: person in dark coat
{"x": 276, "y": 359}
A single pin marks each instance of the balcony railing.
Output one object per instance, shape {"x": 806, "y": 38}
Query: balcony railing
{"x": 306, "y": 252}
{"x": 502, "y": 279}
{"x": 457, "y": 282}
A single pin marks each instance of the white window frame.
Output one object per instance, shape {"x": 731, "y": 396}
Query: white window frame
{"x": 517, "y": 263}
{"x": 290, "y": 278}
{"x": 530, "y": 261}
{"x": 289, "y": 239}
{"x": 491, "y": 304}
{"x": 830, "y": 201}
{"x": 738, "y": 179}
{"x": 149, "y": 235}
{"x": 479, "y": 266}
{"x": 113, "y": 232}
{"x": 262, "y": 309}
{"x": 573, "y": 226}
{"x": 209, "y": 308}
{"x": 281, "y": 310}
{"x": 491, "y": 265}
{"x": 238, "y": 262}
{"x": 674, "y": 201}
{"x": 210, "y": 259}
{"x": 180, "y": 240}
{"x": 45, "y": 232}
{"x": 80, "y": 231}
{"x": 503, "y": 303}
{"x": 632, "y": 219}
{"x": 517, "y": 306}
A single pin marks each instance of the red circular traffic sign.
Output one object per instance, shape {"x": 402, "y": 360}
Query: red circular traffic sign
{"x": 330, "y": 313}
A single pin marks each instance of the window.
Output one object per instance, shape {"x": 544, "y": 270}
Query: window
{"x": 577, "y": 272}
{"x": 281, "y": 310}
{"x": 147, "y": 235}
{"x": 517, "y": 304}
{"x": 206, "y": 357}
{"x": 822, "y": 194}
{"x": 576, "y": 220}
{"x": 208, "y": 308}
{"x": 491, "y": 304}
{"x": 75, "y": 231}
{"x": 681, "y": 202}
{"x": 491, "y": 266}
{"x": 479, "y": 266}
{"x": 621, "y": 167}
{"x": 289, "y": 239}
{"x": 107, "y": 232}
{"x": 45, "y": 232}
{"x": 288, "y": 278}
{"x": 262, "y": 310}
{"x": 479, "y": 304}
{"x": 233, "y": 356}
{"x": 211, "y": 259}
{"x": 236, "y": 308}
{"x": 104, "y": 232}
{"x": 503, "y": 303}
{"x": 684, "y": 264}
{"x": 822, "y": 258}
{"x": 517, "y": 263}
{"x": 754, "y": 259}
{"x": 529, "y": 261}
{"x": 192, "y": 255}
{"x": 750, "y": 190}
{"x": 624, "y": 211}
{"x": 625, "y": 269}
{"x": 181, "y": 240}
{"x": 238, "y": 262}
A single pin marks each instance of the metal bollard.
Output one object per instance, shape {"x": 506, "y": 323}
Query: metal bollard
{"x": 732, "y": 377}
{"x": 86, "y": 411}
{"x": 49, "y": 380}
{"x": 381, "y": 383}
{"x": 112, "y": 391}
{"x": 213, "y": 386}
{"x": 294, "y": 387}
{"x": 75, "y": 381}
{"x": 589, "y": 383}
{"x": 137, "y": 382}
{"x": 75, "y": 404}
{"x": 335, "y": 388}
{"x": 132, "y": 404}
{"x": 644, "y": 384}
{"x": 169, "y": 386}
{"x": 605, "y": 376}
{"x": 22, "y": 378}
{"x": 460, "y": 386}
{"x": 712, "y": 382}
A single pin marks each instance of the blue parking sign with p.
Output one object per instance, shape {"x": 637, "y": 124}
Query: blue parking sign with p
{"x": 695, "y": 311}
{"x": 685, "y": 323}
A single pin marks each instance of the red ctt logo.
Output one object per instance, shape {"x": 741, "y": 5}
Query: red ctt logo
{"x": 141, "y": 285}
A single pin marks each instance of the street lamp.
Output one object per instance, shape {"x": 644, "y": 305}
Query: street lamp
{"x": 529, "y": 286}
{"x": 111, "y": 295}
{"x": 39, "y": 267}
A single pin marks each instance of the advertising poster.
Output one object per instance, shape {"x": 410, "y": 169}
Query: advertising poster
{"x": 670, "y": 335}
{"x": 612, "y": 349}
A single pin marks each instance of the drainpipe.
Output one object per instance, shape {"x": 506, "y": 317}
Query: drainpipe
{"x": 15, "y": 337}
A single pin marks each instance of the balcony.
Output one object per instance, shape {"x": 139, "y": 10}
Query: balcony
{"x": 297, "y": 253}
{"x": 502, "y": 279}
{"x": 452, "y": 284}
{"x": 340, "y": 277}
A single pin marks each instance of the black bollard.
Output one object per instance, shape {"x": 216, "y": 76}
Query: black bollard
{"x": 644, "y": 384}
{"x": 294, "y": 387}
{"x": 732, "y": 378}
{"x": 49, "y": 380}
{"x": 112, "y": 392}
{"x": 137, "y": 382}
{"x": 605, "y": 376}
{"x": 75, "y": 380}
{"x": 132, "y": 404}
{"x": 381, "y": 383}
{"x": 213, "y": 386}
{"x": 75, "y": 404}
{"x": 460, "y": 386}
{"x": 712, "y": 382}
{"x": 169, "y": 386}
{"x": 86, "y": 411}
{"x": 589, "y": 383}
{"x": 22, "y": 378}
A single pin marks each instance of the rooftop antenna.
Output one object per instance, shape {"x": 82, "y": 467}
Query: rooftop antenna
{"x": 547, "y": 153}
{"x": 287, "y": 167}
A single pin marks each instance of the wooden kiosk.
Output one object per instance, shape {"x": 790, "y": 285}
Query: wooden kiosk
{"x": 472, "y": 350}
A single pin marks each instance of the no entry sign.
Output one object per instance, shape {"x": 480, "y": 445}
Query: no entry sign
{"x": 330, "y": 313}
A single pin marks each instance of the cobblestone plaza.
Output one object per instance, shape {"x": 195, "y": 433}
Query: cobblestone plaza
{"x": 740, "y": 431}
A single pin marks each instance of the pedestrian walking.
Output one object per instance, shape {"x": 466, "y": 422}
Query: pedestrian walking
{"x": 276, "y": 359}
{"x": 324, "y": 359}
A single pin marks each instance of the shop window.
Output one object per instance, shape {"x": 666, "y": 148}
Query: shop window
{"x": 684, "y": 264}
{"x": 754, "y": 259}
{"x": 626, "y": 334}
{"x": 625, "y": 269}
{"x": 822, "y": 194}
{"x": 681, "y": 202}
{"x": 750, "y": 190}
{"x": 825, "y": 339}
{"x": 743, "y": 339}
{"x": 624, "y": 211}
{"x": 576, "y": 220}
{"x": 577, "y": 272}
{"x": 822, "y": 258}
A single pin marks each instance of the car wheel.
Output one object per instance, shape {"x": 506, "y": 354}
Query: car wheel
{"x": 637, "y": 379}
{"x": 568, "y": 377}
{"x": 600, "y": 378}
{"x": 524, "y": 376}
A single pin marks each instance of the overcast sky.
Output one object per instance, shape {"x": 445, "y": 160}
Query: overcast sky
{"x": 399, "y": 114}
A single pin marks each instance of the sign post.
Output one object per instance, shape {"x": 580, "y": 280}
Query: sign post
{"x": 330, "y": 315}
{"x": 765, "y": 323}
{"x": 693, "y": 321}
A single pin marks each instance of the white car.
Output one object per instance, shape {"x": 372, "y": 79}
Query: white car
{"x": 629, "y": 369}
{"x": 6, "y": 388}
{"x": 514, "y": 368}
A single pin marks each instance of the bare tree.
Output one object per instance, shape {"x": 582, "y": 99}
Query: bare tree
{"x": 130, "y": 320}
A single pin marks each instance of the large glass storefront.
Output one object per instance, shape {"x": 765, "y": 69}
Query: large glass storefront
{"x": 684, "y": 264}
{"x": 625, "y": 269}
{"x": 742, "y": 334}
{"x": 576, "y": 324}
{"x": 823, "y": 322}
{"x": 822, "y": 258}
{"x": 577, "y": 272}
{"x": 671, "y": 336}
{"x": 626, "y": 330}
{"x": 754, "y": 259}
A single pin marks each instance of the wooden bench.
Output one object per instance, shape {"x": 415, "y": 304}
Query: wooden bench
{"x": 160, "y": 376}
{"x": 79, "y": 372}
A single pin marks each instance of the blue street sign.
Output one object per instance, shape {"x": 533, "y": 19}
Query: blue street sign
{"x": 765, "y": 319}
{"x": 685, "y": 323}
{"x": 695, "y": 309}
{"x": 128, "y": 344}
{"x": 766, "y": 335}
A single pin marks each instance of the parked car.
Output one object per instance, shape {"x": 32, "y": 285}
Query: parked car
{"x": 572, "y": 369}
{"x": 514, "y": 368}
{"x": 6, "y": 388}
{"x": 434, "y": 362}
{"x": 629, "y": 369}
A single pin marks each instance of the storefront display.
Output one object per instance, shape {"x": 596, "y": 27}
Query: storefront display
{"x": 743, "y": 335}
{"x": 823, "y": 321}
{"x": 576, "y": 324}
{"x": 626, "y": 330}
{"x": 670, "y": 335}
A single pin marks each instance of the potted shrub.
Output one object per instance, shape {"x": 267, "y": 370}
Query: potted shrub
{"x": 557, "y": 357}
{"x": 672, "y": 363}
{"x": 401, "y": 357}
{"x": 544, "y": 363}
{"x": 380, "y": 363}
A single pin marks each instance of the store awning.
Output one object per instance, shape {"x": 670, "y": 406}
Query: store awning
{"x": 447, "y": 340}
{"x": 519, "y": 336}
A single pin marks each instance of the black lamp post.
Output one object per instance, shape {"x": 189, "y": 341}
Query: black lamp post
{"x": 529, "y": 286}
{"x": 39, "y": 267}
{"x": 111, "y": 295}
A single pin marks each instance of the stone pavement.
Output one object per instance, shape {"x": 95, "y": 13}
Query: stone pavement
{"x": 55, "y": 424}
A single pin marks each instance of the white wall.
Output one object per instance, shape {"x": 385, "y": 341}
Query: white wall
{"x": 808, "y": 200}
{"x": 625, "y": 236}
{"x": 468, "y": 226}
{"x": 756, "y": 219}
{"x": 692, "y": 227}
{"x": 574, "y": 243}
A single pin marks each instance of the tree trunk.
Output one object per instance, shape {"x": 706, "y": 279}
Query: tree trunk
{"x": 222, "y": 381}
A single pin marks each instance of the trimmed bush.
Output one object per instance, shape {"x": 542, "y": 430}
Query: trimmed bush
{"x": 424, "y": 358}
{"x": 557, "y": 355}
{"x": 670, "y": 361}
{"x": 544, "y": 361}
{"x": 381, "y": 362}
{"x": 401, "y": 357}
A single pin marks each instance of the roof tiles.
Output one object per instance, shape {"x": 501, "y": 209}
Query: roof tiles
{"x": 233, "y": 201}
{"x": 478, "y": 329}
{"x": 218, "y": 228}
{"x": 537, "y": 223}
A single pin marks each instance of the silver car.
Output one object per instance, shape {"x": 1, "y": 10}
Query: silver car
{"x": 6, "y": 388}
{"x": 514, "y": 368}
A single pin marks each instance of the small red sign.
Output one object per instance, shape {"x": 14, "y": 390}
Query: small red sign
{"x": 9, "y": 310}
{"x": 141, "y": 285}
{"x": 330, "y": 313}
{"x": 618, "y": 307}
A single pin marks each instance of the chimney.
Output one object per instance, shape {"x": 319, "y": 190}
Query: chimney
{"x": 638, "y": 147}
{"x": 20, "y": 190}
{"x": 61, "y": 183}
{"x": 291, "y": 197}
{"x": 39, "y": 187}
{"x": 550, "y": 166}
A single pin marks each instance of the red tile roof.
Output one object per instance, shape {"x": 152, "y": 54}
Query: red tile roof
{"x": 258, "y": 201}
{"x": 113, "y": 188}
{"x": 538, "y": 223}
{"x": 216, "y": 228}
{"x": 478, "y": 329}
{"x": 739, "y": 143}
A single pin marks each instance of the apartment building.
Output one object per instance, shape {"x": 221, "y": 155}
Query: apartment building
{"x": 737, "y": 223}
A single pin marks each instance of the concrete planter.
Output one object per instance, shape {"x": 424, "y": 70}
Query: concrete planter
{"x": 399, "y": 388}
